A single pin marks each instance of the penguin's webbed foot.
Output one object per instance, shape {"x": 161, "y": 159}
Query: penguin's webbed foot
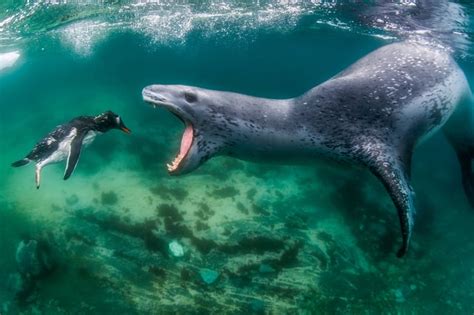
{"x": 38, "y": 177}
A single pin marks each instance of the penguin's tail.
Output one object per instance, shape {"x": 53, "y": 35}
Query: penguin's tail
{"x": 21, "y": 162}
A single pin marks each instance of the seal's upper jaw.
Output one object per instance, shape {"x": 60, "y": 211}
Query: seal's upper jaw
{"x": 169, "y": 98}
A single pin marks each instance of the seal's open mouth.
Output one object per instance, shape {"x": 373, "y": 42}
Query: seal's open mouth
{"x": 186, "y": 143}
{"x": 156, "y": 100}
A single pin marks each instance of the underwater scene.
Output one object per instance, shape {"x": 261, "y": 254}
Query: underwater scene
{"x": 215, "y": 232}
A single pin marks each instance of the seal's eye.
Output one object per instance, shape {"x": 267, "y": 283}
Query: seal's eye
{"x": 190, "y": 97}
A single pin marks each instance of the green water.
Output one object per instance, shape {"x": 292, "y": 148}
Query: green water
{"x": 318, "y": 238}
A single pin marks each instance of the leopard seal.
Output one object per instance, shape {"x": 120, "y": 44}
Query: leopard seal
{"x": 374, "y": 114}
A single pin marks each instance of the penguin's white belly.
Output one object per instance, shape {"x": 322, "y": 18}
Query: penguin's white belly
{"x": 64, "y": 147}
{"x": 61, "y": 152}
{"x": 89, "y": 138}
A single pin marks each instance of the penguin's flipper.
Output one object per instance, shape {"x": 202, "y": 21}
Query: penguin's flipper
{"x": 74, "y": 153}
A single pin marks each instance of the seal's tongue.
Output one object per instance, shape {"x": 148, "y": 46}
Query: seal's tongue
{"x": 186, "y": 141}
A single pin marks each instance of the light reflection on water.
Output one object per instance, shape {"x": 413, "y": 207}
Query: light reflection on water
{"x": 83, "y": 23}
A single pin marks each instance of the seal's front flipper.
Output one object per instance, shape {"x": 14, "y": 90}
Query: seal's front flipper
{"x": 391, "y": 170}
{"x": 467, "y": 175}
{"x": 395, "y": 180}
{"x": 74, "y": 153}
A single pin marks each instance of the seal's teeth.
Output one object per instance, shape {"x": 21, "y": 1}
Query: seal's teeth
{"x": 173, "y": 166}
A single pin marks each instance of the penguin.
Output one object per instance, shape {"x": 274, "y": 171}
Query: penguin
{"x": 67, "y": 140}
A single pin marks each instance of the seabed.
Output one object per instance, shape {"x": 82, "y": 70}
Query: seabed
{"x": 322, "y": 240}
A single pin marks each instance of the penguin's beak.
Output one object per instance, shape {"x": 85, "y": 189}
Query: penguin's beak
{"x": 124, "y": 128}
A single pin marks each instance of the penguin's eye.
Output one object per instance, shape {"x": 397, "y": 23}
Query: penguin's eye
{"x": 190, "y": 97}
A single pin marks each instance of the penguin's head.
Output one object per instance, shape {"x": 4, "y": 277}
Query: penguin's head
{"x": 110, "y": 120}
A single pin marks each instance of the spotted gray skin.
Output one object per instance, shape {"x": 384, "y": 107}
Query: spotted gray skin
{"x": 374, "y": 114}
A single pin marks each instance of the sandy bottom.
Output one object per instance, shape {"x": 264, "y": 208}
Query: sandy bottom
{"x": 275, "y": 238}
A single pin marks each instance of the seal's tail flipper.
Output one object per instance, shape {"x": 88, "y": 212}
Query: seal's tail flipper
{"x": 20, "y": 162}
{"x": 459, "y": 130}
{"x": 465, "y": 159}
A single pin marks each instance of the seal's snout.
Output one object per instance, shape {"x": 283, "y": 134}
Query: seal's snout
{"x": 146, "y": 93}
{"x": 152, "y": 96}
